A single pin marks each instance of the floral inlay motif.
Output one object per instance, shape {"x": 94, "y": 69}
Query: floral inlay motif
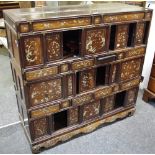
{"x": 124, "y": 17}
{"x": 139, "y": 33}
{"x": 53, "y": 47}
{"x": 33, "y": 51}
{"x": 87, "y": 80}
{"x": 40, "y": 127}
{"x": 121, "y": 39}
{"x": 45, "y": 91}
{"x": 91, "y": 110}
{"x": 130, "y": 69}
{"x": 95, "y": 41}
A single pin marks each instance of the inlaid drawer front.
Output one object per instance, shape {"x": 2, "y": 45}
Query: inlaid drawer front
{"x": 139, "y": 33}
{"x": 123, "y": 17}
{"x": 86, "y": 98}
{"x": 33, "y": 50}
{"x": 87, "y": 80}
{"x": 121, "y": 36}
{"x": 108, "y": 104}
{"x": 62, "y": 23}
{"x": 91, "y": 110}
{"x": 40, "y": 127}
{"x": 130, "y": 69}
{"x": 82, "y": 64}
{"x": 130, "y": 84}
{"x": 135, "y": 52}
{"x": 45, "y": 111}
{"x": 100, "y": 93}
{"x": 95, "y": 40}
{"x": 131, "y": 96}
{"x": 73, "y": 116}
{"x": 36, "y": 74}
{"x": 45, "y": 91}
{"x": 53, "y": 47}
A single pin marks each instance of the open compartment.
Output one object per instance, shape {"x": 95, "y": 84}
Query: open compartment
{"x": 112, "y": 37}
{"x": 102, "y": 73}
{"x": 71, "y": 43}
{"x": 60, "y": 120}
{"x": 131, "y": 34}
{"x": 120, "y": 99}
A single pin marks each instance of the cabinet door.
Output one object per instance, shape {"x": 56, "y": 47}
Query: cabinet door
{"x": 46, "y": 91}
{"x": 33, "y": 51}
{"x": 91, "y": 110}
{"x": 54, "y": 46}
{"x": 139, "y": 33}
{"x": 95, "y": 40}
{"x": 130, "y": 69}
{"x": 87, "y": 80}
{"x": 121, "y": 36}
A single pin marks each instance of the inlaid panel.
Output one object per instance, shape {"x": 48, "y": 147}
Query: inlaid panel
{"x": 130, "y": 69}
{"x": 131, "y": 96}
{"x": 135, "y": 52}
{"x": 32, "y": 50}
{"x": 95, "y": 40}
{"x": 82, "y": 64}
{"x": 45, "y": 111}
{"x": 73, "y": 116}
{"x": 24, "y": 27}
{"x": 69, "y": 85}
{"x": 91, "y": 110}
{"x": 123, "y": 17}
{"x": 45, "y": 91}
{"x": 86, "y": 98}
{"x": 108, "y": 104}
{"x": 121, "y": 36}
{"x": 40, "y": 127}
{"x": 53, "y": 47}
{"x": 63, "y": 23}
{"x": 87, "y": 80}
{"x": 36, "y": 74}
{"x": 101, "y": 92}
{"x": 139, "y": 33}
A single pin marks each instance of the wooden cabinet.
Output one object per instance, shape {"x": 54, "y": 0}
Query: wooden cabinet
{"x": 75, "y": 69}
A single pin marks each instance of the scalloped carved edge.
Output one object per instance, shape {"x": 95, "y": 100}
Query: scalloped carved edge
{"x": 86, "y": 129}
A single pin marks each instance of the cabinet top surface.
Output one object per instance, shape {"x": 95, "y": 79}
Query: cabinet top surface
{"x": 69, "y": 11}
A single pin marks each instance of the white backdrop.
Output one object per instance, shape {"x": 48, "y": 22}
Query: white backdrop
{"x": 150, "y": 50}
